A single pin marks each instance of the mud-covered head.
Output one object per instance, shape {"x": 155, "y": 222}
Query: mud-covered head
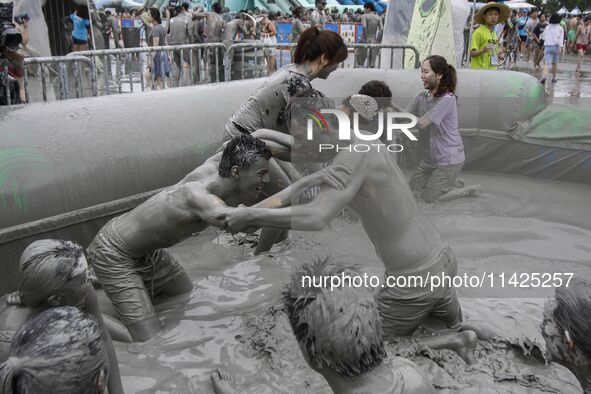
{"x": 380, "y": 91}
{"x": 246, "y": 160}
{"x": 309, "y": 127}
{"x": 338, "y": 330}
{"x": 321, "y": 51}
{"x": 566, "y": 328}
{"x": 53, "y": 273}
{"x": 60, "y": 350}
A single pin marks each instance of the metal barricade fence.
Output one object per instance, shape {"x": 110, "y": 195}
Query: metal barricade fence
{"x": 63, "y": 78}
{"x": 131, "y": 63}
{"x": 211, "y": 62}
{"x": 247, "y": 60}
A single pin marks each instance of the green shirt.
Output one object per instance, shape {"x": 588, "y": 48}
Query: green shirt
{"x": 482, "y": 37}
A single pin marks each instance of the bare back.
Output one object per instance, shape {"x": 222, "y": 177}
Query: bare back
{"x": 400, "y": 233}
{"x": 171, "y": 215}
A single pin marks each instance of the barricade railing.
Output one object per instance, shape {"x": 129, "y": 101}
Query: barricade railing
{"x": 135, "y": 61}
{"x": 111, "y": 69}
{"x": 64, "y": 85}
{"x": 241, "y": 65}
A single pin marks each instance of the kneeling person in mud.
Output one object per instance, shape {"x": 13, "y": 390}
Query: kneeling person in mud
{"x": 128, "y": 254}
{"x": 339, "y": 334}
{"x": 404, "y": 239}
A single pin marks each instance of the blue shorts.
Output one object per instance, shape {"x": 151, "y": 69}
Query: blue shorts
{"x": 551, "y": 54}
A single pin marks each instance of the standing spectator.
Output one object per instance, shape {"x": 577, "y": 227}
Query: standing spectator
{"x": 227, "y": 16}
{"x": 197, "y": 35}
{"x": 215, "y": 28}
{"x": 16, "y": 62}
{"x": 467, "y": 28}
{"x": 357, "y": 16}
{"x": 571, "y": 35}
{"x": 297, "y": 27}
{"x": 113, "y": 28}
{"x": 539, "y": 40}
{"x": 345, "y": 16}
{"x": 437, "y": 110}
{"x": 553, "y": 41}
{"x": 521, "y": 22}
{"x": 239, "y": 25}
{"x": 582, "y": 41}
{"x": 372, "y": 34}
{"x": 178, "y": 31}
{"x": 529, "y": 29}
{"x": 316, "y": 16}
{"x": 269, "y": 36}
{"x": 159, "y": 64}
{"x": 485, "y": 49}
{"x": 81, "y": 21}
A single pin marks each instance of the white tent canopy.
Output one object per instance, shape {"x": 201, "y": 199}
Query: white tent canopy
{"x": 519, "y": 5}
{"x": 576, "y": 11}
{"x": 562, "y": 11}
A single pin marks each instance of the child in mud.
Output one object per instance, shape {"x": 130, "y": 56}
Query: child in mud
{"x": 60, "y": 350}
{"x": 340, "y": 336}
{"x": 54, "y": 273}
{"x": 404, "y": 239}
{"x": 567, "y": 330}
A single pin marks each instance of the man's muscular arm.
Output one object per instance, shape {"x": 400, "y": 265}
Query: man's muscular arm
{"x": 309, "y": 217}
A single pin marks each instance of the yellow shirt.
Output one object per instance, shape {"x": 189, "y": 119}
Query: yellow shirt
{"x": 482, "y": 37}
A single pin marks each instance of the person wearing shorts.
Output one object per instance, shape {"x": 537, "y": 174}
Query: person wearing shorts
{"x": 269, "y": 36}
{"x": 81, "y": 21}
{"x": 553, "y": 42}
{"x": 128, "y": 254}
{"x": 131, "y": 279}
{"x": 404, "y": 308}
{"x": 582, "y": 42}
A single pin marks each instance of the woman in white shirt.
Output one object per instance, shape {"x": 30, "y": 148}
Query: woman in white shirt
{"x": 553, "y": 41}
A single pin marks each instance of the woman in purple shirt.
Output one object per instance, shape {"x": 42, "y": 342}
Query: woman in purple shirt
{"x": 437, "y": 110}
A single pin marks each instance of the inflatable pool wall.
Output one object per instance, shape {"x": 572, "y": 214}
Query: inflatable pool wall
{"x": 67, "y": 167}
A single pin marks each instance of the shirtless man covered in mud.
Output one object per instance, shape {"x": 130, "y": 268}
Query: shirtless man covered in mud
{"x": 128, "y": 254}
{"x": 339, "y": 334}
{"x": 404, "y": 239}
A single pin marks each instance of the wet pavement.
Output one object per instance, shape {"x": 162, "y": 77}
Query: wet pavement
{"x": 571, "y": 86}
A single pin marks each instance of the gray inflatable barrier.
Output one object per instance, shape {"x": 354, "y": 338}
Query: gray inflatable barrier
{"x": 67, "y": 167}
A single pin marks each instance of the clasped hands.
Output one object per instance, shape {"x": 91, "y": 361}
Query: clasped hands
{"x": 240, "y": 219}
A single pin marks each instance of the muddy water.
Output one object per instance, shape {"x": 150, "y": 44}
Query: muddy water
{"x": 232, "y": 317}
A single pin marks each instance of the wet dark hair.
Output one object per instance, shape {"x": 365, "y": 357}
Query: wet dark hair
{"x": 449, "y": 78}
{"x": 369, "y": 6}
{"x": 155, "y": 14}
{"x": 185, "y": 6}
{"x": 339, "y": 328}
{"x": 58, "y": 350}
{"x": 313, "y": 43}
{"x": 555, "y": 18}
{"x": 82, "y": 11}
{"x": 217, "y": 8}
{"x": 573, "y": 312}
{"x": 299, "y": 11}
{"x": 242, "y": 151}
{"x": 46, "y": 267}
{"x": 108, "y": 12}
{"x": 377, "y": 89}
